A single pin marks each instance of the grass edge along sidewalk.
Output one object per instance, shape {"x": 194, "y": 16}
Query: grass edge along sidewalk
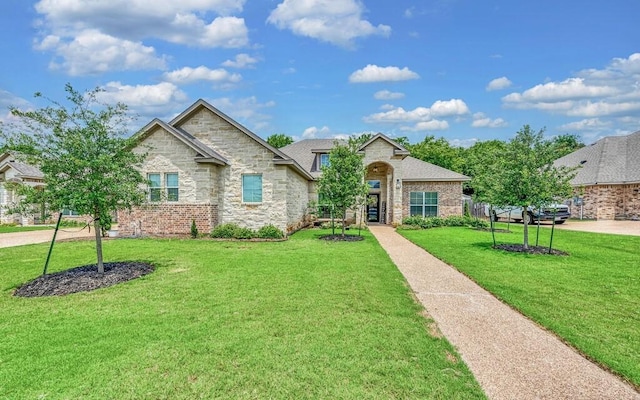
{"x": 589, "y": 299}
{"x": 303, "y": 318}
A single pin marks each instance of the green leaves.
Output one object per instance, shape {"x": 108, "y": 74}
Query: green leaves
{"x": 88, "y": 164}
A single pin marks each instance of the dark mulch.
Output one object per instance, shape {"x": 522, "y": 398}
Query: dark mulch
{"x": 519, "y": 248}
{"x": 340, "y": 238}
{"x": 83, "y": 279}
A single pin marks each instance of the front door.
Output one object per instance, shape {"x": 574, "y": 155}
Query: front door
{"x": 373, "y": 208}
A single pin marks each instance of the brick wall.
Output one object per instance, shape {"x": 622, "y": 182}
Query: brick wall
{"x": 167, "y": 219}
{"x": 449, "y": 196}
{"x": 610, "y": 202}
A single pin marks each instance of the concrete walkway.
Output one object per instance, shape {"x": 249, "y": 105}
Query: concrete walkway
{"x": 615, "y": 227}
{"x": 510, "y": 356}
{"x": 31, "y": 237}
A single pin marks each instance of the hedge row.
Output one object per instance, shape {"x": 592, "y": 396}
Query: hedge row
{"x": 233, "y": 231}
{"x": 434, "y": 222}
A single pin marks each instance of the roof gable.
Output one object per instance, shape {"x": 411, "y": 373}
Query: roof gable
{"x": 610, "y": 160}
{"x": 204, "y": 153}
{"x": 398, "y": 149}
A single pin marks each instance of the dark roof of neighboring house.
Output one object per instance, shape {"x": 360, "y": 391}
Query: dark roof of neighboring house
{"x": 611, "y": 160}
{"x": 304, "y": 152}
{"x": 7, "y": 160}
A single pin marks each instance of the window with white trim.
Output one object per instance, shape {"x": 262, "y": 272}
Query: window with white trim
{"x": 252, "y": 188}
{"x": 155, "y": 189}
{"x": 423, "y": 204}
{"x": 171, "y": 185}
{"x": 163, "y": 186}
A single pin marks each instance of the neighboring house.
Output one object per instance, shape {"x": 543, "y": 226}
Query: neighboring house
{"x": 204, "y": 166}
{"x": 15, "y": 171}
{"x": 608, "y": 180}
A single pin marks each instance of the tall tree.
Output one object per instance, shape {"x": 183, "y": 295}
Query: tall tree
{"x": 438, "y": 152}
{"x": 81, "y": 149}
{"x": 342, "y": 185}
{"x": 279, "y": 140}
{"x": 564, "y": 144}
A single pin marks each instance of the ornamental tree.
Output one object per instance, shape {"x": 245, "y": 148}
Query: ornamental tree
{"x": 84, "y": 155}
{"x": 342, "y": 185}
{"x": 524, "y": 176}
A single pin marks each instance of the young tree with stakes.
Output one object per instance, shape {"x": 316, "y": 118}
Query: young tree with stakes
{"x": 81, "y": 149}
{"x": 342, "y": 186}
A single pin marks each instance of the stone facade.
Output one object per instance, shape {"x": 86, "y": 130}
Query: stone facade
{"x": 217, "y": 188}
{"x": 449, "y": 196}
{"x": 380, "y": 152}
{"x": 609, "y": 202}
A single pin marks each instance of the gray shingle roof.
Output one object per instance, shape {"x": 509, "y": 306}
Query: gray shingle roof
{"x": 23, "y": 170}
{"x": 303, "y": 152}
{"x": 611, "y": 160}
{"x": 418, "y": 170}
{"x": 413, "y": 169}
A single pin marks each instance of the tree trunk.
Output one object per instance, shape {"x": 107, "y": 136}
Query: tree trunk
{"x": 98, "y": 229}
{"x": 525, "y": 218}
{"x": 344, "y": 221}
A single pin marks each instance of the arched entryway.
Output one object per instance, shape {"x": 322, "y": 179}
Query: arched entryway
{"x": 379, "y": 177}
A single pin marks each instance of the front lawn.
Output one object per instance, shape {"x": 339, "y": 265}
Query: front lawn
{"x": 591, "y": 298}
{"x": 301, "y": 319}
{"x": 13, "y": 228}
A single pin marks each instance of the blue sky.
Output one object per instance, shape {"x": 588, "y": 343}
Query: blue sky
{"x": 466, "y": 70}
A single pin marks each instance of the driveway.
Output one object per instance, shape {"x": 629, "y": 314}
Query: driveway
{"x": 615, "y": 227}
{"x": 31, "y": 237}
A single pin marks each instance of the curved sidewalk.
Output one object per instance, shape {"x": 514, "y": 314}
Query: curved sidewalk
{"x": 510, "y": 356}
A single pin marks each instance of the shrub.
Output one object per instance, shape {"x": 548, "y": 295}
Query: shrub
{"x": 269, "y": 232}
{"x": 244, "y": 233}
{"x": 434, "y": 222}
{"x": 194, "y": 229}
{"x": 224, "y": 231}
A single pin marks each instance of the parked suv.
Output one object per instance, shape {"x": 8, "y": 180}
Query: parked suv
{"x": 547, "y": 213}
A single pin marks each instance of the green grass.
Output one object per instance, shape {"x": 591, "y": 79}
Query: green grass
{"x": 301, "y": 319}
{"x": 11, "y": 228}
{"x": 591, "y": 298}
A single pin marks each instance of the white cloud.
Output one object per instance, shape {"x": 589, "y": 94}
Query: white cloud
{"x": 449, "y": 108}
{"x": 241, "y": 61}
{"x": 101, "y": 35}
{"x": 147, "y": 101}
{"x": 433, "y": 125}
{"x": 482, "y": 121}
{"x": 591, "y": 93}
{"x": 248, "y": 111}
{"x": 335, "y": 22}
{"x": 499, "y": 84}
{"x": 387, "y": 95}
{"x": 421, "y": 118}
{"x": 189, "y": 75}
{"x": 8, "y": 99}
{"x": 585, "y": 125}
{"x": 374, "y": 73}
{"x": 92, "y": 52}
{"x": 313, "y": 132}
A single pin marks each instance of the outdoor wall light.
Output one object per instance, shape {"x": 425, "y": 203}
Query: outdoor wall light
{"x": 398, "y": 184}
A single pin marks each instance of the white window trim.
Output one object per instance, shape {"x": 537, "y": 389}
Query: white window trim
{"x": 261, "y": 189}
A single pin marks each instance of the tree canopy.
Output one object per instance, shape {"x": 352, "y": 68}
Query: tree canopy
{"x": 81, "y": 149}
{"x": 279, "y": 140}
{"x": 522, "y": 174}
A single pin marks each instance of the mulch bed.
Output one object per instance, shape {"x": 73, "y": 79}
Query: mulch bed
{"x": 340, "y": 238}
{"x": 519, "y": 248}
{"x": 83, "y": 279}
